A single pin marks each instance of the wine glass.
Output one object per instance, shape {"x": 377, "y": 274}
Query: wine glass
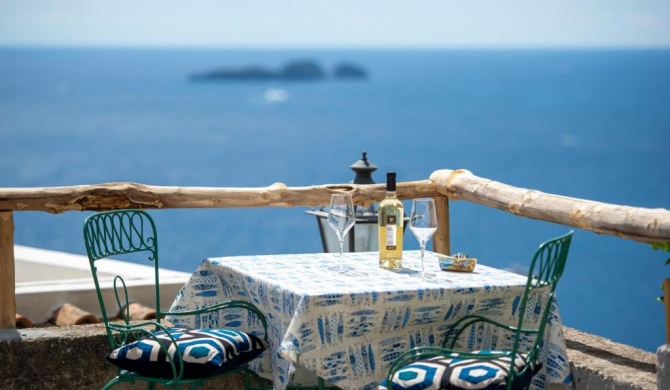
{"x": 341, "y": 217}
{"x": 423, "y": 224}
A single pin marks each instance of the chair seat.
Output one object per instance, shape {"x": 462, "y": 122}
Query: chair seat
{"x": 456, "y": 373}
{"x": 205, "y": 352}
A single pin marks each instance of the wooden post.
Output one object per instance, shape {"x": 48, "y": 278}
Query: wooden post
{"x": 7, "y": 276}
{"x": 441, "y": 241}
{"x": 666, "y": 302}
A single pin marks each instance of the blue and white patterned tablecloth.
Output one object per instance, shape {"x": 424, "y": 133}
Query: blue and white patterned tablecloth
{"x": 348, "y": 329}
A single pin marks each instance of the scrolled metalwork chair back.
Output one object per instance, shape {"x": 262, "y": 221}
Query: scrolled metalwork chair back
{"x": 120, "y": 232}
{"x": 117, "y": 233}
{"x": 546, "y": 270}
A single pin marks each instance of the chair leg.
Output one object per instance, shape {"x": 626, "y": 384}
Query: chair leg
{"x": 247, "y": 384}
{"x": 113, "y": 383}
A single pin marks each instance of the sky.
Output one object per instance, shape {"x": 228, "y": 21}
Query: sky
{"x": 336, "y": 23}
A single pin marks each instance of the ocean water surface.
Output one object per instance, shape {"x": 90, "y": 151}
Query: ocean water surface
{"x": 585, "y": 124}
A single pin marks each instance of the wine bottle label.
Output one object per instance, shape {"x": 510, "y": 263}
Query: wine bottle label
{"x": 390, "y": 232}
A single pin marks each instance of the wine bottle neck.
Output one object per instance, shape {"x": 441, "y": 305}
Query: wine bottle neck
{"x": 390, "y": 182}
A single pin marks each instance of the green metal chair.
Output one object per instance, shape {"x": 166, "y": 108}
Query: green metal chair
{"x": 155, "y": 352}
{"x": 445, "y": 367}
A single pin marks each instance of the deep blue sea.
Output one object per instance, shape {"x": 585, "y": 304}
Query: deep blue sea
{"x": 585, "y": 124}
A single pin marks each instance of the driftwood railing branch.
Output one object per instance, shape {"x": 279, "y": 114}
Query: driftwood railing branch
{"x": 110, "y": 196}
{"x": 634, "y": 223}
{"x": 640, "y": 224}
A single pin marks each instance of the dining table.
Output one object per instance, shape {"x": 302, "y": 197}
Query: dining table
{"x": 349, "y": 328}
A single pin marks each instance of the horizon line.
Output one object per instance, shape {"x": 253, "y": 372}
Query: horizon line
{"x": 9, "y": 45}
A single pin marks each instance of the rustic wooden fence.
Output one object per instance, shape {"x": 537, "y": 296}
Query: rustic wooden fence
{"x": 634, "y": 223}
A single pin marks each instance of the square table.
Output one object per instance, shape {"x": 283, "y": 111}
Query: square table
{"x": 349, "y": 329}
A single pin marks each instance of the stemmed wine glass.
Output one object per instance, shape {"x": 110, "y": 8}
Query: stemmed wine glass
{"x": 341, "y": 217}
{"x": 423, "y": 224}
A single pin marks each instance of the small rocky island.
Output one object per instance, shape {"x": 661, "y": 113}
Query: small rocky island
{"x": 298, "y": 70}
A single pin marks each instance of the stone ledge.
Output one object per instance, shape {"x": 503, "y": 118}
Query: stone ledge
{"x": 600, "y": 363}
{"x": 73, "y": 358}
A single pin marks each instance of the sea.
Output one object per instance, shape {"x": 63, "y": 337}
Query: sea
{"x": 589, "y": 124}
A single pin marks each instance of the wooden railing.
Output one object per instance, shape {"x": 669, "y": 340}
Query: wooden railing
{"x": 639, "y": 224}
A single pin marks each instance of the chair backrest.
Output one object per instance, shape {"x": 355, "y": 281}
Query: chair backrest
{"x": 546, "y": 269}
{"x": 120, "y": 232}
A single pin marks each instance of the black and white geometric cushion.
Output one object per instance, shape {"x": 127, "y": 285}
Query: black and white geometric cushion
{"x": 454, "y": 373}
{"x": 205, "y": 352}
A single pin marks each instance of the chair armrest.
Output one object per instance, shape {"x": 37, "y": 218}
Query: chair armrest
{"x": 457, "y": 329}
{"x": 226, "y": 305}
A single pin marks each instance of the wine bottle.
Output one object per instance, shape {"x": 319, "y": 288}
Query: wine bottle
{"x": 390, "y": 223}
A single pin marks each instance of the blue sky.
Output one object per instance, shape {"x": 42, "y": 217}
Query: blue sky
{"x": 336, "y": 23}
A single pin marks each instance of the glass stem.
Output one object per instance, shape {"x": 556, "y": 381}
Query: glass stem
{"x": 423, "y": 250}
{"x": 341, "y": 254}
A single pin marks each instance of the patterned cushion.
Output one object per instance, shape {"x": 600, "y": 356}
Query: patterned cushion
{"x": 205, "y": 352}
{"x": 454, "y": 373}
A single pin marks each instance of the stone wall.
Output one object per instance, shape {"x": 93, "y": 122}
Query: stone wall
{"x": 73, "y": 358}
{"x": 599, "y": 363}
{"x": 66, "y": 358}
